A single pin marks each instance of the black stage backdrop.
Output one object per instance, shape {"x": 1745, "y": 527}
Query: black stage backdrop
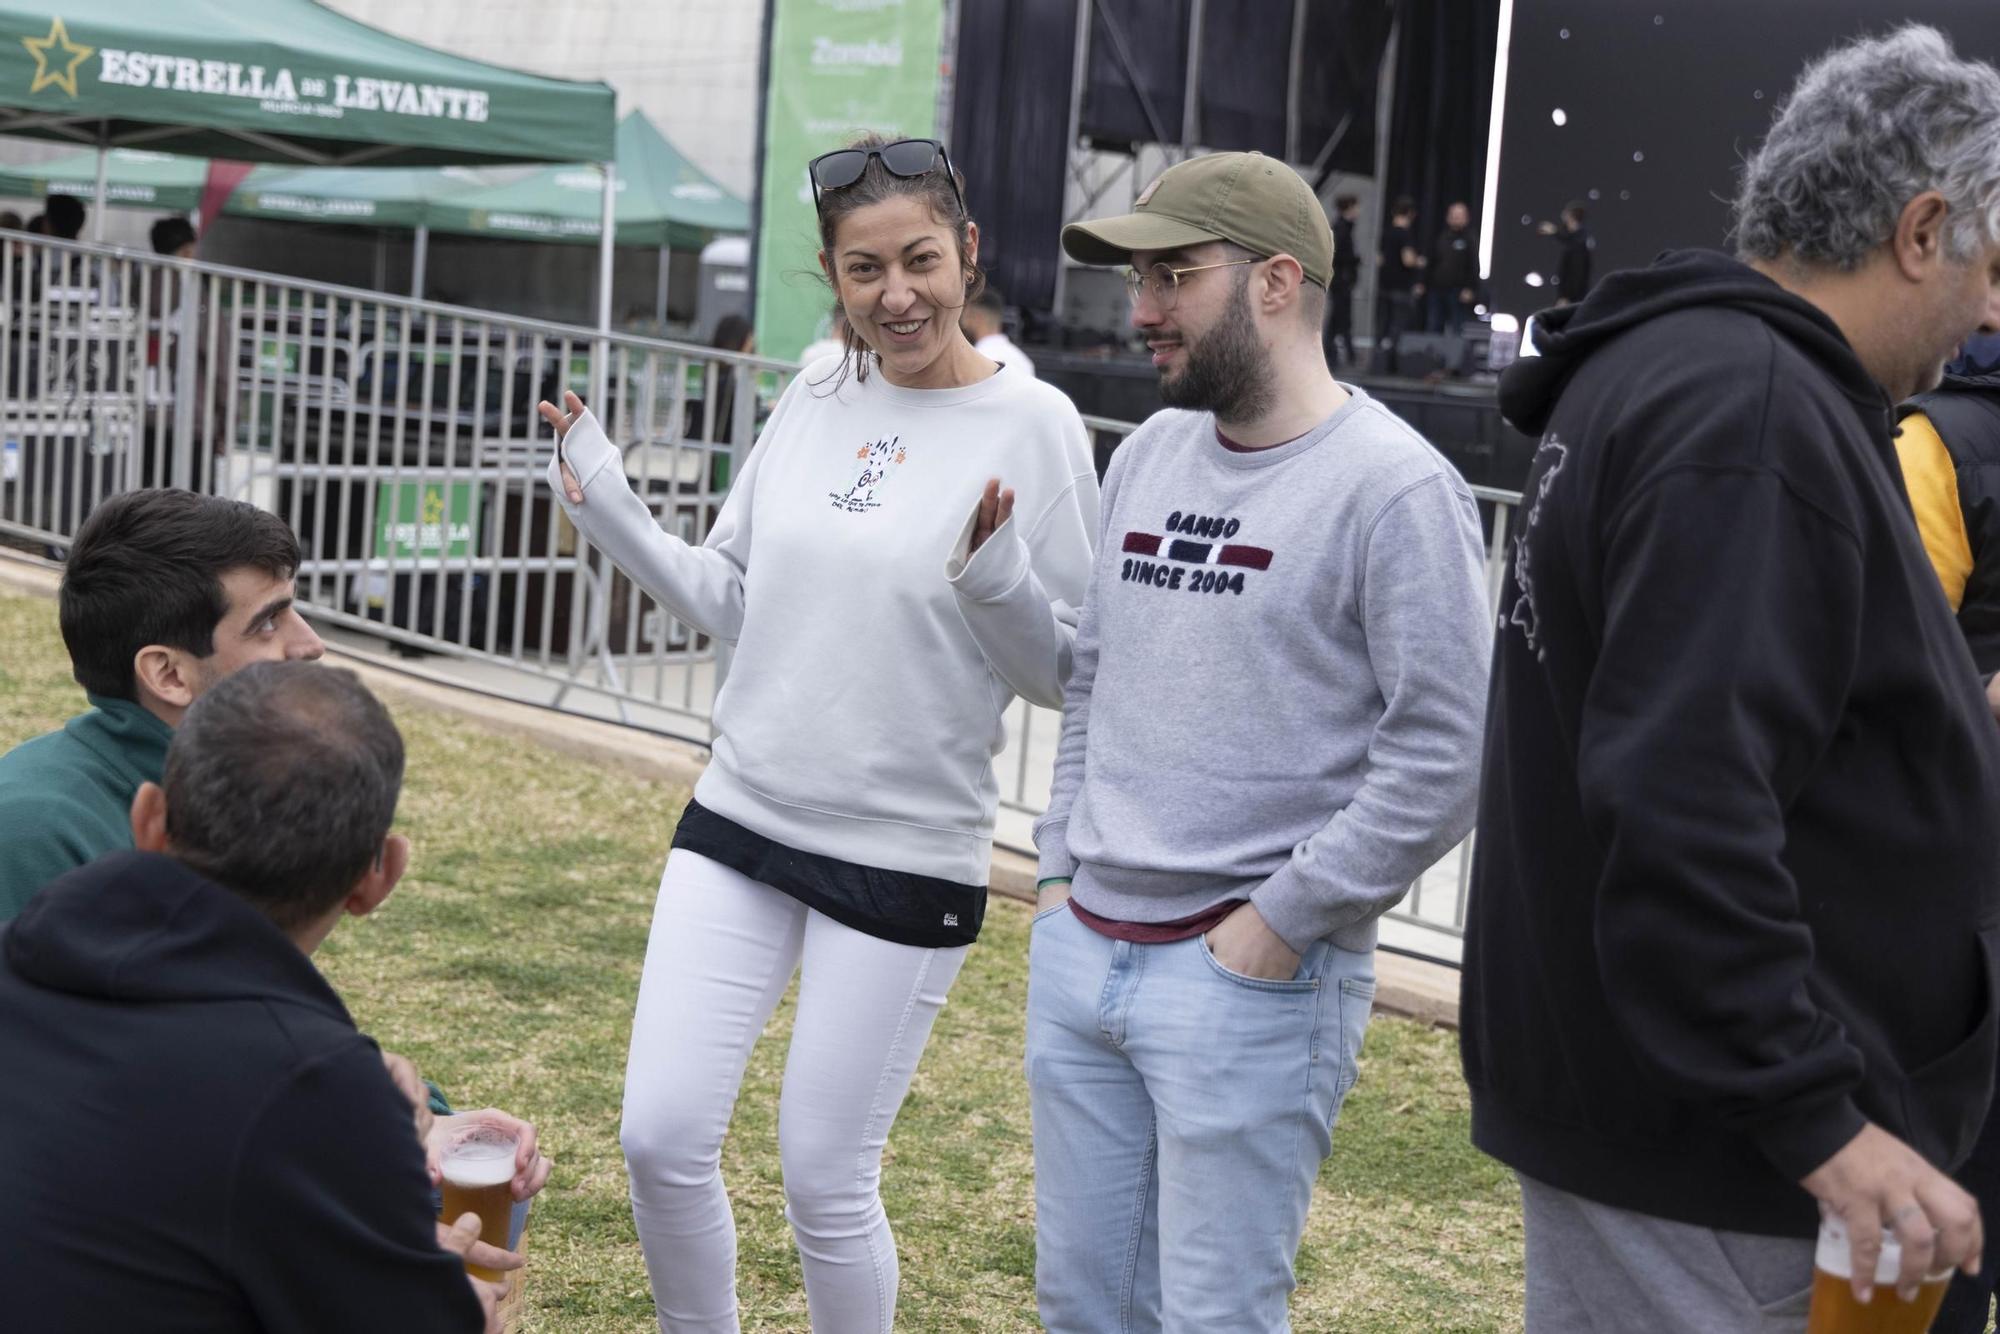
{"x": 1010, "y": 106}
{"x": 1339, "y": 83}
{"x": 1442, "y": 106}
{"x": 1010, "y": 120}
{"x": 1659, "y": 102}
{"x": 1137, "y": 80}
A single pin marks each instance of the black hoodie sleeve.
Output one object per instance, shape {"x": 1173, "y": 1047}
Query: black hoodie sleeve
{"x": 331, "y": 1222}
{"x": 1730, "y": 630}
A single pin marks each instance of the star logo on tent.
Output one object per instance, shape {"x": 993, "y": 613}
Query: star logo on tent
{"x": 47, "y": 73}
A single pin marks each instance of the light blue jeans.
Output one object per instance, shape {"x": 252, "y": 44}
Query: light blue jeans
{"x": 1181, "y": 1113}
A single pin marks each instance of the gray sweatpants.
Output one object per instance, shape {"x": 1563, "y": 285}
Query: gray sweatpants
{"x": 1593, "y": 1269}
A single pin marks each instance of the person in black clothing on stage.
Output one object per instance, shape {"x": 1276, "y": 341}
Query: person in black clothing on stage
{"x": 1579, "y": 248}
{"x": 1340, "y": 292}
{"x": 1396, "y": 283}
{"x": 1451, "y": 282}
{"x": 1735, "y": 910}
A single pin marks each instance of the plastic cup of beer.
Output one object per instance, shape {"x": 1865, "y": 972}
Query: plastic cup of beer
{"x": 478, "y": 1167}
{"x": 1834, "y": 1309}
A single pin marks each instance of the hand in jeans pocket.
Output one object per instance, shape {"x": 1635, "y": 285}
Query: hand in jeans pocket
{"x": 1242, "y": 943}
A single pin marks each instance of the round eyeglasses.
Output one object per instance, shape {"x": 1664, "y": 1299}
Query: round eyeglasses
{"x": 1162, "y": 282}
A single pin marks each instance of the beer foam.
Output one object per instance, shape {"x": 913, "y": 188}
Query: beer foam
{"x": 479, "y": 1163}
{"x": 1833, "y": 1256}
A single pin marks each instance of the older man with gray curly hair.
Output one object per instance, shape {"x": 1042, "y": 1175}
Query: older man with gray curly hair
{"x": 1733, "y": 938}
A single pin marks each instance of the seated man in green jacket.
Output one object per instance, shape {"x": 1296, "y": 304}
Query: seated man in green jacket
{"x": 164, "y": 594}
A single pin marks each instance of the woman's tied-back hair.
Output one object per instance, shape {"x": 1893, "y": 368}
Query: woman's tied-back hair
{"x": 877, "y": 184}
{"x": 1869, "y": 127}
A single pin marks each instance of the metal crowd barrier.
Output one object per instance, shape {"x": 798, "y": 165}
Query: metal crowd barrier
{"x": 400, "y": 440}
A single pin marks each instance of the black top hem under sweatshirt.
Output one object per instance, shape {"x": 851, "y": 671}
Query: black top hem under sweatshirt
{"x": 901, "y": 907}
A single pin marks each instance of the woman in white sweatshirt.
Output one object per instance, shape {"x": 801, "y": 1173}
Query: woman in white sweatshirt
{"x": 888, "y": 598}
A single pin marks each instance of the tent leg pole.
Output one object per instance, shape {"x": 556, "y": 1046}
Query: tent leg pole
{"x": 103, "y": 175}
{"x": 606, "y": 236}
{"x": 381, "y": 262}
{"x": 1079, "y": 77}
{"x": 419, "y": 262}
{"x": 1191, "y": 95}
{"x": 660, "y": 300}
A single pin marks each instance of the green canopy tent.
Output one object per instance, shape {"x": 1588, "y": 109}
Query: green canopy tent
{"x": 389, "y": 197}
{"x": 134, "y": 178}
{"x": 398, "y": 197}
{"x": 278, "y": 81}
{"x": 662, "y": 200}
{"x": 283, "y": 81}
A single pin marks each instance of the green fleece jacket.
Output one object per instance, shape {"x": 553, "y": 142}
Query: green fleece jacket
{"x": 66, "y": 800}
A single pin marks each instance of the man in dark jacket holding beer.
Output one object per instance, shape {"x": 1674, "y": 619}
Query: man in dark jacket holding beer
{"x": 1732, "y": 947}
{"x": 193, "y": 1135}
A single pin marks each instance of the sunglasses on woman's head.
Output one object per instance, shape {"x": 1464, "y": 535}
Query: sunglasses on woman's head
{"x": 907, "y": 158}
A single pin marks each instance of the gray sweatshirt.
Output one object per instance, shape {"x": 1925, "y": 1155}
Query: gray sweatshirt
{"x": 1280, "y": 678}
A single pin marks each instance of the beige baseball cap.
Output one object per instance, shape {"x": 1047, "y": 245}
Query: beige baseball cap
{"x": 1254, "y": 201}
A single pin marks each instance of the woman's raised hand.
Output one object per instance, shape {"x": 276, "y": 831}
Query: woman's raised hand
{"x": 562, "y": 421}
{"x": 996, "y": 506}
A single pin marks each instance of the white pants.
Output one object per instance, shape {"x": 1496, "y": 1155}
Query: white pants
{"x": 722, "y": 951}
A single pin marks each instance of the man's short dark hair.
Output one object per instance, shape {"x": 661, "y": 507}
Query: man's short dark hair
{"x": 1342, "y": 203}
{"x": 65, "y": 216}
{"x": 281, "y": 784}
{"x": 1575, "y": 211}
{"x": 147, "y": 568}
{"x": 1403, "y": 207}
{"x": 169, "y": 234}
{"x": 991, "y": 302}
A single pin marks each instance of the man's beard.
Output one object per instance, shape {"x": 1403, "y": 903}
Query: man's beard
{"x": 1227, "y": 371}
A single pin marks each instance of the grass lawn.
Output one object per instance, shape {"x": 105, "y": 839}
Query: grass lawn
{"x": 506, "y": 967}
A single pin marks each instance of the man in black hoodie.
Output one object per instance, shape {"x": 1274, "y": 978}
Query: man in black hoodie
{"x": 1736, "y": 914}
{"x": 193, "y": 1135}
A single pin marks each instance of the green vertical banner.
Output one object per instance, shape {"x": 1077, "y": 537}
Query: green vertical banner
{"x": 836, "y": 68}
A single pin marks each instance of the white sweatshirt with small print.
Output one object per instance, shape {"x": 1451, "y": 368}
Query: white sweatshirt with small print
{"x": 874, "y": 659}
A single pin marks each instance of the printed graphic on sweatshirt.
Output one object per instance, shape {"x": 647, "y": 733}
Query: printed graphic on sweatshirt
{"x": 1194, "y": 555}
{"x": 874, "y": 465}
{"x": 1549, "y": 460}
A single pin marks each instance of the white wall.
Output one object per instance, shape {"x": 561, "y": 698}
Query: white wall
{"x": 690, "y": 65}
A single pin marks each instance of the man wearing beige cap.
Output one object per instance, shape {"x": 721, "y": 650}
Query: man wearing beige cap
{"x": 1272, "y": 727}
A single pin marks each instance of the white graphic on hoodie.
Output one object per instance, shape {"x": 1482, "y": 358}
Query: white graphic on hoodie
{"x": 1552, "y": 453}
